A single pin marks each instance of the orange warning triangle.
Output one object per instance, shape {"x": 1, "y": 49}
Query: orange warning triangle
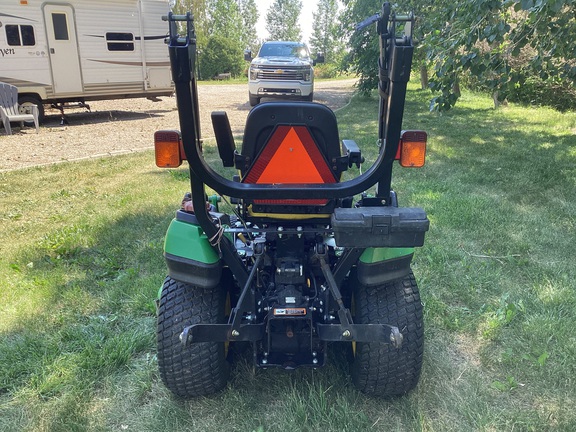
{"x": 291, "y": 163}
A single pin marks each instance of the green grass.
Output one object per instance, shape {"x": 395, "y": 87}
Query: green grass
{"x": 81, "y": 263}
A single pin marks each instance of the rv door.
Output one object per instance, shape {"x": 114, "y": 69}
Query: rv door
{"x": 63, "y": 49}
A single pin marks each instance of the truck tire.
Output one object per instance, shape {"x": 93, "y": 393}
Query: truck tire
{"x": 25, "y": 102}
{"x": 199, "y": 369}
{"x": 380, "y": 369}
{"x": 254, "y": 100}
{"x": 310, "y": 97}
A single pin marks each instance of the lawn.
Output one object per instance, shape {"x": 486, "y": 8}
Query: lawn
{"x": 81, "y": 263}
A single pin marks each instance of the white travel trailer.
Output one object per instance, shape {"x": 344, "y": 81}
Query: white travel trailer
{"x": 72, "y": 51}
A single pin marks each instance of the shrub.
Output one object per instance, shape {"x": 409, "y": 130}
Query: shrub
{"x": 534, "y": 91}
{"x": 327, "y": 70}
{"x": 221, "y": 55}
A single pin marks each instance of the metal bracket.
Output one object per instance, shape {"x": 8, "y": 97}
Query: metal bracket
{"x": 222, "y": 333}
{"x": 382, "y": 333}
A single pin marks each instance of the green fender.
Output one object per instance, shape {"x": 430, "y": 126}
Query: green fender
{"x": 377, "y": 266}
{"x": 373, "y": 255}
{"x": 189, "y": 256}
{"x": 188, "y": 241}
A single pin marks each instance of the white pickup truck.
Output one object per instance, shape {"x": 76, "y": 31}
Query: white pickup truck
{"x": 282, "y": 69}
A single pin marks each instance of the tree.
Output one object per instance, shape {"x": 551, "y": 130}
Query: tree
{"x": 201, "y": 23}
{"x": 498, "y": 45}
{"x": 221, "y": 55}
{"x": 501, "y": 44}
{"x": 282, "y": 20}
{"x": 225, "y": 19}
{"x": 325, "y": 38}
{"x": 249, "y": 14}
{"x": 363, "y": 55}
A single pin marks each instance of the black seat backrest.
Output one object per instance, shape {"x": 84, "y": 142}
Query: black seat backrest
{"x": 265, "y": 118}
{"x": 294, "y": 142}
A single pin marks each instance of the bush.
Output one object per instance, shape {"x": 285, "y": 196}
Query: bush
{"x": 534, "y": 91}
{"x": 221, "y": 55}
{"x": 327, "y": 70}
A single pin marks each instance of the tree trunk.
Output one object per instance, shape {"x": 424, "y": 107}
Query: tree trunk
{"x": 495, "y": 98}
{"x": 456, "y": 87}
{"x": 423, "y": 77}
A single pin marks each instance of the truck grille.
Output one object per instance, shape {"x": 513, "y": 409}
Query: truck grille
{"x": 281, "y": 74}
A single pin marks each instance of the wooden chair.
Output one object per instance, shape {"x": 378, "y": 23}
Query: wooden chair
{"x": 10, "y": 110}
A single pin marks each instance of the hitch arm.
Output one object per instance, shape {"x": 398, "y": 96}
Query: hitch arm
{"x": 347, "y": 330}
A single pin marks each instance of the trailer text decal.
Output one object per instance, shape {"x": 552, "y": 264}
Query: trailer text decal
{"x": 7, "y": 51}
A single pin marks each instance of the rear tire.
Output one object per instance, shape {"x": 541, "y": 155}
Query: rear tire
{"x": 199, "y": 369}
{"x": 380, "y": 369}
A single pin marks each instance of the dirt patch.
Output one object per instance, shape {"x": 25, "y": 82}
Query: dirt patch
{"x": 128, "y": 125}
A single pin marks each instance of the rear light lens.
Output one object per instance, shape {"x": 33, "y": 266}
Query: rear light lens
{"x": 168, "y": 149}
{"x": 412, "y": 149}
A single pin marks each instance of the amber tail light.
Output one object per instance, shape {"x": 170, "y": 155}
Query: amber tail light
{"x": 412, "y": 149}
{"x": 168, "y": 149}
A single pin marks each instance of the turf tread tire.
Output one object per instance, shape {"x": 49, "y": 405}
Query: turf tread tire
{"x": 380, "y": 369}
{"x": 199, "y": 369}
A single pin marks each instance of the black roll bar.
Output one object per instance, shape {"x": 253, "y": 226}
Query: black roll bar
{"x": 394, "y": 64}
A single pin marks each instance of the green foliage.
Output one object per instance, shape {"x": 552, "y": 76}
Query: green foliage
{"x": 199, "y": 9}
{"x": 326, "y": 36}
{"x": 249, "y": 13}
{"x": 505, "y": 386}
{"x": 225, "y": 20}
{"x": 327, "y": 70}
{"x": 498, "y": 43}
{"x": 362, "y": 59}
{"x": 535, "y": 91}
{"x": 229, "y": 19}
{"x": 282, "y": 20}
{"x": 221, "y": 55}
{"x": 502, "y": 46}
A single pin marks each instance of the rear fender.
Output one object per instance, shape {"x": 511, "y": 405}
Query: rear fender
{"x": 189, "y": 256}
{"x": 377, "y": 266}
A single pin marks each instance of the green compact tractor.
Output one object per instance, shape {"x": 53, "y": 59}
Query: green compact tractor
{"x": 306, "y": 259}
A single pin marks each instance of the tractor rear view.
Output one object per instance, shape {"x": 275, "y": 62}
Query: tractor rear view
{"x": 304, "y": 259}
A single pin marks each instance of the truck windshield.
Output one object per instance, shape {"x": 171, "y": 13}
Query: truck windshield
{"x": 284, "y": 50}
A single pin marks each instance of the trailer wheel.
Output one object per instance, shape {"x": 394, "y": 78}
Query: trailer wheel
{"x": 26, "y": 102}
{"x": 198, "y": 369}
{"x": 380, "y": 369}
{"x": 254, "y": 100}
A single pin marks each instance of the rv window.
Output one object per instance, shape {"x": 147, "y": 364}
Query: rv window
{"x": 18, "y": 35}
{"x": 120, "y": 41}
{"x": 28, "y": 38}
{"x": 60, "y": 26}
{"x": 13, "y": 35}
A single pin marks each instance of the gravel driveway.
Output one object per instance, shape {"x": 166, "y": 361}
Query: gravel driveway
{"x": 128, "y": 125}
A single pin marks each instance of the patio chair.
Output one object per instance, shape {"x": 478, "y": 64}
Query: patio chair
{"x": 10, "y": 110}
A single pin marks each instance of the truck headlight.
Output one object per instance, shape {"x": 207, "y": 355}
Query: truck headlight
{"x": 253, "y": 73}
{"x": 307, "y": 74}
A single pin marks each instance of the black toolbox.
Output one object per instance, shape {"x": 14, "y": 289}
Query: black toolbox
{"x": 380, "y": 226}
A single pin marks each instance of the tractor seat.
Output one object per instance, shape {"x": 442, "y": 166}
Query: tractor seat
{"x": 290, "y": 143}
